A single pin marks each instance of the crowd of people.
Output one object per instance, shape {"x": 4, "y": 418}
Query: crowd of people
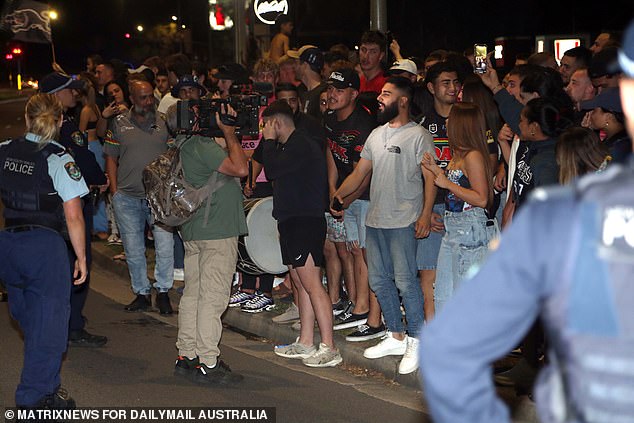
{"x": 389, "y": 183}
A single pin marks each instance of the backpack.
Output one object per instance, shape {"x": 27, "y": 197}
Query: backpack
{"x": 172, "y": 200}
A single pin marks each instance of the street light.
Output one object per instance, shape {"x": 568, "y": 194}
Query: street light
{"x": 139, "y": 28}
{"x": 53, "y": 15}
{"x": 174, "y": 18}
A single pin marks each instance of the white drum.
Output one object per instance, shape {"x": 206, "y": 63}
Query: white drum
{"x": 259, "y": 252}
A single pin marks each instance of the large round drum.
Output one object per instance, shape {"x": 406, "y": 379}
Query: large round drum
{"x": 259, "y": 252}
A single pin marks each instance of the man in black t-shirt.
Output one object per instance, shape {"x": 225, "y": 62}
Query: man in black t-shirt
{"x": 311, "y": 62}
{"x": 443, "y": 84}
{"x": 347, "y": 127}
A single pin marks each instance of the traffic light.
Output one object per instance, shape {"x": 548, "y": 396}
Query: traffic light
{"x": 16, "y": 51}
{"x": 8, "y": 56}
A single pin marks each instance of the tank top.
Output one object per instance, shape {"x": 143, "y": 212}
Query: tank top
{"x": 452, "y": 202}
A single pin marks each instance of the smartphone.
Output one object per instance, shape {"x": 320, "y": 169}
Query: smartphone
{"x": 337, "y": 205}
{"x": 480, "y": 58}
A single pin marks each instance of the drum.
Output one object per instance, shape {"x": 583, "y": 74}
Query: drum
{"x": 259, "y": 252}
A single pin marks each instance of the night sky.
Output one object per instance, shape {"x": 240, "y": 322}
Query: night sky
{"x": 90, "y": 26}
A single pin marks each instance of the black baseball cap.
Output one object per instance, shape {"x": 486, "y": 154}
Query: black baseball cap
{"x": 344, "y": 78}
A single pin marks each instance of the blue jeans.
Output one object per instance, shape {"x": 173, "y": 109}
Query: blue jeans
{"x": 132, "y": 214}
{"x": 354, "y": 222}
{"x": 464, "y": 246}
{"x": 392, "y": 271}
{"x": 99, "y": 218}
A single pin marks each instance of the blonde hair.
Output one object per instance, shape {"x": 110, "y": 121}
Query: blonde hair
{"x": 43, "y": 116}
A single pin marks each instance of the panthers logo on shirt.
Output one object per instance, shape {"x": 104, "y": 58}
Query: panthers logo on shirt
{"x": 78, "y": 138}
{"x": 73, "y": 171}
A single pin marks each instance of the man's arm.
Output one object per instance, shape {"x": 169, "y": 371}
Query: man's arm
{"x": 423, "y": 223}
{"x": 111, "y": 170}
{"x": 333, "y": 173}
{"x": 353, "y": 181}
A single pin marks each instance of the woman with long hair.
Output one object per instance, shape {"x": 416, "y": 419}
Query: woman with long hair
{"x": 468, "y": 180}
{"x": 116, "y": 103}
{"x": 89, "y": 116}
{"x": 580, "y": 151}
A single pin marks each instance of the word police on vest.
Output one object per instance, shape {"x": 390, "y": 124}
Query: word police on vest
{"x": 19, "y": 166}
{"x": 618, "y": 224}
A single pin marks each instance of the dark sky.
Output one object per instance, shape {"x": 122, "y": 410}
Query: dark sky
{"x": 90, "y": 26}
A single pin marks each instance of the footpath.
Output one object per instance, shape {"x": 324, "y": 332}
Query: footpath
{"x": 261, "y": 325}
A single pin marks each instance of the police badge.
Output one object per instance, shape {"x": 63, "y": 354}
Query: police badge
{"x": 73, "y": 171}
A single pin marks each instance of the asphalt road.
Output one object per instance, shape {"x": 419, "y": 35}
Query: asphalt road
{"x": 12, "y": 118}
{"x": 135, "y": 370}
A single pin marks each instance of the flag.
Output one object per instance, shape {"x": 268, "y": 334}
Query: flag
{"x": 27, "y": 20}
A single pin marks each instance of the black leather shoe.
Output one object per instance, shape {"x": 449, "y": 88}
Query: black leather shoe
{"x": 81, "y": 338}
{"x": 140, "y": 303}
{"x": 163, "y": 303}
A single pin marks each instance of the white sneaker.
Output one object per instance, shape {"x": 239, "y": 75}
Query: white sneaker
{"x": 179, "y": 274}
{"x": 409, "y": 363}
{"x": 388, "y": 346}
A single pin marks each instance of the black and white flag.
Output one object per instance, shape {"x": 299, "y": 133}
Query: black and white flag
{"x": 27, "y": 20}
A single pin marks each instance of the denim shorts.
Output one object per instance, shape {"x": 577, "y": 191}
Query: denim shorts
{"x": 427, "y": 248}
{"x": 335, "y": 230}
{"x": 354, "y": 222}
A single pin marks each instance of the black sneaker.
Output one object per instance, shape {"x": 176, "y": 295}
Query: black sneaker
{"x": 366, "y": 332}
{"x": 163, "y": 303}
{"x": 342, "y": 306}
{"x": 349, "y": 320}
{"x": 140, "y": 303}
{"x": 185, "y": 366}
{"x": 81, "y": 338}
{"x": 220, "y": 374}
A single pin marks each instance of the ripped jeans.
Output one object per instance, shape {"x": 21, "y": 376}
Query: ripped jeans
{"x": 464, "y": 246}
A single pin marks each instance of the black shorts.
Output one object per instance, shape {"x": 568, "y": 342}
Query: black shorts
{"x": 301, "y": 237}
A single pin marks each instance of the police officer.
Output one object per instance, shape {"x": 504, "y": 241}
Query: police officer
{"x": 568, "y": 258}
{"x": 40, "y": 187}
{"x": 64, "y": 88}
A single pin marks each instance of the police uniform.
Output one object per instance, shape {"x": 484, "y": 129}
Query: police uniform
{"x": 34, "y": 265}
{"x": 75, "y": 142}
{"x": 569, "y": 258}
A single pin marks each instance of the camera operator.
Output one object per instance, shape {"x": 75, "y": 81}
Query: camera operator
{"x": 211, "y": 251}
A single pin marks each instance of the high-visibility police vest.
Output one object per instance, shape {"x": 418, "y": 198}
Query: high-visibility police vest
{"x": 26, "y": 188}
{"x": 590, "y": 322}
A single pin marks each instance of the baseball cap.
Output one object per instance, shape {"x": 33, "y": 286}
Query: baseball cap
{"x": 232, "y": 71}
{"x": 625, "y": 58}
{"x": 602, "y": 63}
{"x": 187, "y": 81}
{"x": 344, "y": 78}
{"x": 609, "y": 99}
{"x": 314, "y": 58}
{"x": 404, "y": 65}
{"x": 55, "y": 81}
{"x": 295, "y": 54}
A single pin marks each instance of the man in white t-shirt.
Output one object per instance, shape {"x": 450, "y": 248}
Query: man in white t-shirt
{"x": 396, "y": 217}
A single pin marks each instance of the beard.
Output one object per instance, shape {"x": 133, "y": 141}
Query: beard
{"x": 389, "y": 112}
{"x": 146, "y": 113}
